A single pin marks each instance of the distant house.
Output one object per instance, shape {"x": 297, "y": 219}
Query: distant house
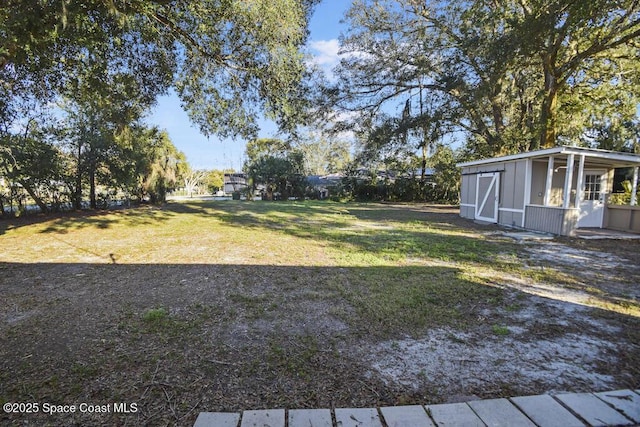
{"x": 428, "y": 175}
{"x": 556, "y": 190}
{"x": 234, "y": 182}
{"x": 428, "y": 172}
{"x": 321, "y": 184}
{"x": 390, "y": 175}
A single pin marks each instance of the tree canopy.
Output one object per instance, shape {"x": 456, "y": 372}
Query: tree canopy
{"x": 228, "y": 60}
{"x": 77, "y": 78}
{"x": 511, "y": 75}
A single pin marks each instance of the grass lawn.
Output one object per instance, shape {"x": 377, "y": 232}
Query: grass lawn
{"x": 225, "y": 306}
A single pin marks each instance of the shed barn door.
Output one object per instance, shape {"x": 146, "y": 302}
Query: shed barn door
{"x": 487, "y": 195}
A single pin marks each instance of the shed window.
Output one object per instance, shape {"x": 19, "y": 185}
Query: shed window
{"x": 592, "y": 187}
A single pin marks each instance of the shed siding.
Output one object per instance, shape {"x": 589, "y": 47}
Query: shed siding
{"x": 512, "y": 190}
{"x": 513, "y": 183}
{"x": 522, "y": 189}
{"x": 539, "y": 181}
{"x": 467, "y": 212}
{"x": 623, "y": 218}
{"x": 468, "y": 192}
{"x": 505, "y": 217}
{"x": 508, "y": 185}
{"x": 513, "y": 219}
{"x": 521, "y": 182}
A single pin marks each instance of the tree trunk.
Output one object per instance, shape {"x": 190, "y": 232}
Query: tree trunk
{"x": 251, "y": 187}
{"x": 496, "y": 110}
{"x": 41, "y": 204}
{"x": 77, "y": 198}
{"x": 423, "y": 173}
{"x": 548, "y": 113}
{"x": 92, "y": 187}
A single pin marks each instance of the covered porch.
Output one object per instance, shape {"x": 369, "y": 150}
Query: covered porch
{"x": 570, "y": 189}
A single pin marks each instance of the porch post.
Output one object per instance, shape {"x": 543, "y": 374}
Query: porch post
{"x": 579, "y": 183}
{"x": 568, "y": 181}
{"x": 634, "y": 187}
{"x": 547, "y": 188}
{"x": 527, "y": 190}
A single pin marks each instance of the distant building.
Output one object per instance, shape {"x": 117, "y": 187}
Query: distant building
{"x": 320, "y": 184}
{"x": 234, "y": 182}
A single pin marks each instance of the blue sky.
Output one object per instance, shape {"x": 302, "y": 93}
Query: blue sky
{"x": 217, "y": 153}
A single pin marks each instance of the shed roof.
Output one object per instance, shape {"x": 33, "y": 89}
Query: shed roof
{"x": 612, "y": 158}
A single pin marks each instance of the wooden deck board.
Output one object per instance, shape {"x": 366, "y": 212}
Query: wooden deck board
{"x": 218, "y": 419}
{"x": 310, "y": 418}
{"x": 624, "y": 401}
{"x": 358, "y": 417}
{"x": 500, "y": 413}
{"x": 609, "y": 408}
{"x": 593, "y": 410}
{"x": 406, "y": 416}
{"x": 263, "y": 418}
{"x": 454, "y": 414}
{"x": 545, "y": 411}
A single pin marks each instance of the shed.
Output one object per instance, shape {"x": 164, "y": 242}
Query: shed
{"x": 555, "y": 190}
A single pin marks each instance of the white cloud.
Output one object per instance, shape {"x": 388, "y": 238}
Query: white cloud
{"x": 325, "y": 52}
{"x": 324, "y": 55}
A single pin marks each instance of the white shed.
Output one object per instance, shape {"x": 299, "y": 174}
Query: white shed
{"x": 555, "y": 190}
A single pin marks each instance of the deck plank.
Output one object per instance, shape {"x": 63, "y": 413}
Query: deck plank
{"x": 454, "y": 414}
{"x": 593, "y": 410}
{"x": 545, "y": 411}
{"x": 500, "y": 413}
{"x": 217, "y": 419}
{"x": 624, "y": 401}
{"x": 310, "y": 418}
{"x": 406, "y": 416}
{"x": 357, "y": 417}
{"x": 263, "y": 418}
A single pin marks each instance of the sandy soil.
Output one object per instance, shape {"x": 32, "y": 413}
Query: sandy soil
{"x": 550, "y": 339}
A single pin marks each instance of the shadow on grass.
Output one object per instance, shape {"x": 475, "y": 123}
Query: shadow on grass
{"x": 356, "y": 234}
{"x": 379, "y": 301}
{"x": 180, "y": 338}
{"x": 218, "y": 336}
{"x": 390, "y": 232}
{"x": 63, "y": 222}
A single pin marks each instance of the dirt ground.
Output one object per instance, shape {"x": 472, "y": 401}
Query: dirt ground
{"x": 231, "y": 337}
{"x": 547, "y": 338}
